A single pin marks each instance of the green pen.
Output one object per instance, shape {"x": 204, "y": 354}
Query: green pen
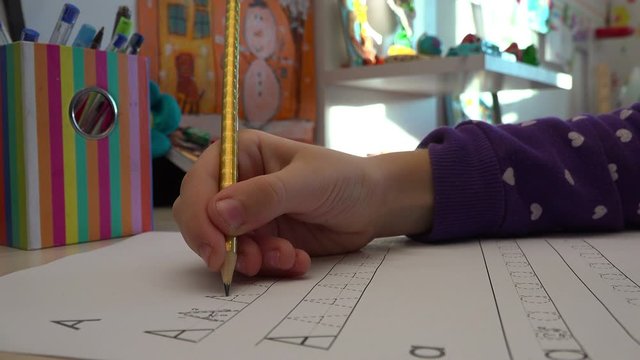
{"x": 124, "y": 27}
{"x": 123, "y": 12}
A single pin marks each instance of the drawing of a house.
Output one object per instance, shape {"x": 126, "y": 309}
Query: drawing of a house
{"x": 184, "y": 41}
{"x": 187, "y": 59}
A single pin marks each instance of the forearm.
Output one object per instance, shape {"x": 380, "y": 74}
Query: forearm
{"x": 536, "y": 177}
{"x": 404, "y": 184}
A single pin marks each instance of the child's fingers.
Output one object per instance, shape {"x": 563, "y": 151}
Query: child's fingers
{"x": 199, "y": 234}
{"x": 198, "y": 186}
{"x": 280, "y": 258}
{"x": 270, "y": 255}
{"x": 277, "y": 253}
{"x": 249, "y": 256}
{"x": 301, "y": 265}
{"x": 250, "y": 204}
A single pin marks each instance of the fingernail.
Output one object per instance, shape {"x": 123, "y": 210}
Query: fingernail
{"x": 205, "y": 252}
{"x": 231, "y": 211}
{"x": 273, "y": 258}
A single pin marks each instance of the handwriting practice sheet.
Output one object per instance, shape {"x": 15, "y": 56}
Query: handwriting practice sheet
{"x": 150, "y": 297}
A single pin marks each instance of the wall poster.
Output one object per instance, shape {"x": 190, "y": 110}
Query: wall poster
{"x": 185, "y": 42}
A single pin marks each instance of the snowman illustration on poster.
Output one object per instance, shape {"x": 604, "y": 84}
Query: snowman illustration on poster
{"x": 261, "y": 89}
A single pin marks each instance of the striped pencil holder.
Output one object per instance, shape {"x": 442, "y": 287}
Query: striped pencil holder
{"x": 59, "y": 185}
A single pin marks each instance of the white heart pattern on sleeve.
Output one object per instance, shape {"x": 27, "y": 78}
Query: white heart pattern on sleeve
{"x": 576, "y": 139}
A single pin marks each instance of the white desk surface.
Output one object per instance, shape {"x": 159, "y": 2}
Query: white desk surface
{"x": 552, "y": 297}
{"x": 12, "y": 260}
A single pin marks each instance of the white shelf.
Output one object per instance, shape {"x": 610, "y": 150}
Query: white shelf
{"x": 446, "y": 75}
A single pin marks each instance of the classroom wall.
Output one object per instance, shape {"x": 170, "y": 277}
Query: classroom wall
{"x": 42, "y": 15}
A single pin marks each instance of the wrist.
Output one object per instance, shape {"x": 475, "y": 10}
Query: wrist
{"x": 404, "y": 182}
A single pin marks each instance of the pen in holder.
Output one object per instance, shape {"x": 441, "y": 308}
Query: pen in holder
{"x": 75, "y": 160}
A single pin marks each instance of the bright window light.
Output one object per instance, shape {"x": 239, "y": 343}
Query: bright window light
{"x": 510, "y": 118}
{"x": 515, "y": 96}
{"x": 501, "y": 22}
{"x": 365, "y": 130}
{"x": 564, "y": 81}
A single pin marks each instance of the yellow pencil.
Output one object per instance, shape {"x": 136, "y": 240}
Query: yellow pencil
{"x": 229, "y": 135}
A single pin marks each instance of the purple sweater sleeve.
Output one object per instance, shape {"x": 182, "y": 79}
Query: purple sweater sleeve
{"x": 541, "y": 176}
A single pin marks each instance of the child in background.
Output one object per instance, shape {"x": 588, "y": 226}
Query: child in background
{"x": 296, "y": 200}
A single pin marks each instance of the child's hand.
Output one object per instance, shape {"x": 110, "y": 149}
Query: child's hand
{"x": 294, "y": 200}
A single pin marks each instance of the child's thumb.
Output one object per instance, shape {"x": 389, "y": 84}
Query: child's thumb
{"x": 249, "y": 204}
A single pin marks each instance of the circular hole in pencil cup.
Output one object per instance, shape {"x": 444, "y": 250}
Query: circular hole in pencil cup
{"x": 93, "y": 113}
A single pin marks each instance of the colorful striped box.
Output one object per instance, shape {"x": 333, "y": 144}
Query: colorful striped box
{"x": 58, "y": 187}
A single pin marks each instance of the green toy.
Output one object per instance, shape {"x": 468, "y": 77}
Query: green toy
{"x": 166, "y": 115}
{"x": 429, "y": 45}
{"x": 405, "y": 11}
{"x": 530, "y": 56}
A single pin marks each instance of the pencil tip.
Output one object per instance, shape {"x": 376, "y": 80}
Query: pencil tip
{"x": 226, "y": 289}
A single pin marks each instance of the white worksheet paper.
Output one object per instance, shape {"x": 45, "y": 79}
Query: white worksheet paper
{"x": 150, "y": 297}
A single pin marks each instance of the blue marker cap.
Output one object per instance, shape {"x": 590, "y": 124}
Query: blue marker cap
{"x": 119, "y": 41}
{"x": 29, "y": 35}
{"x": 69, "y": 14}
{"x": 136, "y": 40}
{"x": 85, "y": 36}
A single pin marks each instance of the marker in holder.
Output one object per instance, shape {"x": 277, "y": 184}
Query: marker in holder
{"x": 66, "y": 21}
{"x": 85, "y": 36}
{"x": 118, "y": 42}
{"x": 134, "y": 44}
{"x": 124, "y": 27}
{"x": 96, "y": 43}
{"x": 29, "y": 35}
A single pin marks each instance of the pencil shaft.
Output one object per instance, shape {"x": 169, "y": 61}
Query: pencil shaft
{"x": 228, "y": 169}
{"x": 229, "y": 136}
